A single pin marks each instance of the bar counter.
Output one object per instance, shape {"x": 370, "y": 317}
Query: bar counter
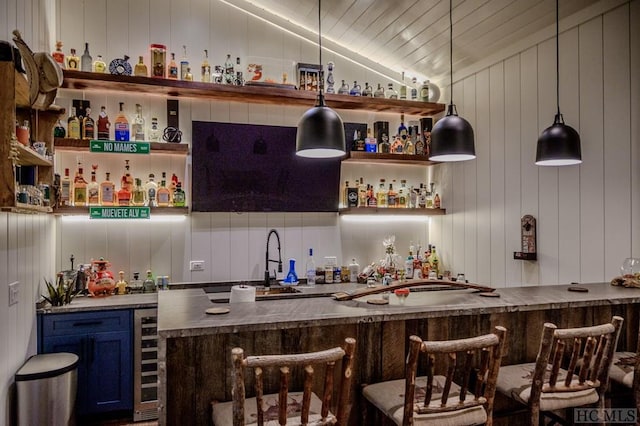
{"x": 194, "y": 347}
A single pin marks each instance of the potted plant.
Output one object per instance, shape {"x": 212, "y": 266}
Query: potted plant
{"x": 60, "y": 294}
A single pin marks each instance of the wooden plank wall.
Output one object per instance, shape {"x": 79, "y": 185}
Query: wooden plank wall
{"x": 587, "y": 215}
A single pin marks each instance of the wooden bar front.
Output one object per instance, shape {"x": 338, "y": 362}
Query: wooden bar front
{"x": 195, "y": 362}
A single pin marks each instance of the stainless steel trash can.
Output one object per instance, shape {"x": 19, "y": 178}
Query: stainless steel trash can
{"x": 46, "y": 386}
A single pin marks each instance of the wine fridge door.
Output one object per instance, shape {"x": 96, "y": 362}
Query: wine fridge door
{"x": 145, "y": 371}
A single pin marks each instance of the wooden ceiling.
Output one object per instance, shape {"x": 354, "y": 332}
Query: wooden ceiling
{"x": 413, "y": 35}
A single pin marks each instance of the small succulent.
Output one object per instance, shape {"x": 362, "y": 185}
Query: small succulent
{"x": 60, "y": 294}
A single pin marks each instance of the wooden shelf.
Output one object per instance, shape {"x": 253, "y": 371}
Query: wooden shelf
{"x": 28, "y": 157}
{"x": 66, "y": 144}
{"x": 155, "y": 211}
{"x": 250, "y": 94}
{"x": 379, "y": 158}
{"x": 26, "y": 208}
{"x": 391, "y": 211}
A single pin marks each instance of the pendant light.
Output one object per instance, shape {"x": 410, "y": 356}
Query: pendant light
{"x": 320, "y": 130}
{"x": 558, "y": 145}
{"x": 452, "y": 136}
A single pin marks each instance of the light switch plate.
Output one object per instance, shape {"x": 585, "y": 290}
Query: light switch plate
{"x": 196, "y": 265}
{"x": 14, "y": 292}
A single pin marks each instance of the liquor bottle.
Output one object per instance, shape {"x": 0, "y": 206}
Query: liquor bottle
{"x": 79, "y": 188}
{"x": 58, "y": 55}
{"x": 368, "y": 90}
{"x": 124, "y": 195}
{"x": 59, "y": 131}
{"x": 397, "y": 147}
{"x": 99, "y": 65}
{"x": 408, "y": 265}
{"x": 436, "y": 201}
{"x": 151, "y": 188}
{"x": 345, "y": 192}
{"x": 88, "y": 126}
{"x": 419, "y": 143}
{"x": 381, "y": 195}
{"x": 148, "y": 285}
{"x": 413, "y": 197}
{"x": 402, "y": 130}
{"x": 73, "y": 125}
{"x": 163, "y": 193}
{"x": 107, "y": 191}
{"x": 172, "y": 68}
{"x": 103, "y": 124}
{"x": 86, "y": 61}
{"x": 344, "y": 88}
{"x": 203, "y": 67}
{"x": 188, "y": 76}
{"x": 311, "y": 269}
{"x": 414, "y": 89}
{"x": 434, "y": 261}
{"x": 422, "y": 197}
{"x": 409, "y": 146}
{"x": 372, "y": 201}
{"x": 179, "y": 197}
{"x": 390, "y": 93}
{"x": 403, "y": 88}
{"x": 385, "y": 146}
{"x": 138, "y": 195}
{"x": 430, "y": 196}
{"x": 121, "y": 125}
{"x": 358, "y": 142}
{"x": 403, "y": 194}
{"x": 93, "y": 189}
{"x": 126, "y": 181}
{"x": 370, "y": 143}
{"x": 424, "y": 91}
{"x": 362, "y": 193}
{"x": 207, "y": 74}
{"x": 73, "y": 62}
{"x": 154, "y": 131}
{"x": 228, "y": 70}
{"x": 379, "y": 93}
{"x": 137, "y": 125}
{"x": 391, "y": 196}
{"x": 66, "y": 189}
{"x": 354, "y": 270}
{"x": 356, "y": 90}
{"x": 140, "y": 69}
{"x": 184, "y": 63}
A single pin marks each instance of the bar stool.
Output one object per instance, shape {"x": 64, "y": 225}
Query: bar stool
{"x": 543, "y": 386}
{"x": 298, "y": 408}
{"x": 623, "y": 371}
{"x": 436, "y": 399}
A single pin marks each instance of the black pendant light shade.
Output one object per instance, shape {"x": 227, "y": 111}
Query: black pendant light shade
{"x": 558, "y": 145}
{"x": 452, "y": 136}
{"x": 320, "y": 130}
{"x": 320, "y": 133}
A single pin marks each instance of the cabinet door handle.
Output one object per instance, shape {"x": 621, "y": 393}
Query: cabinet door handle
{"x": 86, "y": 323}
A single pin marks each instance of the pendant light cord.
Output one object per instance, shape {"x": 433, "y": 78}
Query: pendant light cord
{"x": 558, "y": 55}
{"x": 321, "y": 82}
{"x": 451, "y": 49}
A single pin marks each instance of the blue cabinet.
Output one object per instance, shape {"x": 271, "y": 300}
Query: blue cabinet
{"x": 103, "y": 341}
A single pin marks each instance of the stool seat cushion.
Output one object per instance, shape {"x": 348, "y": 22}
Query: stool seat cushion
{"x": 514, "y": 381}
{"x": 622, "y": 368}
{"x": 223, "y": 411}
{"x": 388, "y": 397}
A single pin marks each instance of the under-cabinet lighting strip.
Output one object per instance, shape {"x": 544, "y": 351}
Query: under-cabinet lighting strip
{"x": 384, "y": 218}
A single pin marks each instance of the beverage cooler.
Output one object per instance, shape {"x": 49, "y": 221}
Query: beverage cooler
{"x": 145, "y": 369}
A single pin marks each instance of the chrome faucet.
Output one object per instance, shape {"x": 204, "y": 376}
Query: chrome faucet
{"x": 267, "y": 275}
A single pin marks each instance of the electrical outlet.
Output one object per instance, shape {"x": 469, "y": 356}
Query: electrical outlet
{"x": 14, "y": 293}
{"x": 196, "y": 265}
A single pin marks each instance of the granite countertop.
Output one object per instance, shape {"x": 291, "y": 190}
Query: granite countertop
{"x": 88, "y": 303}
{"x": 182, "y": 312}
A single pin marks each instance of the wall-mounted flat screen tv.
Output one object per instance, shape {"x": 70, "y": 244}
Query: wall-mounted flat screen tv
{"x": 254, "y": 168}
